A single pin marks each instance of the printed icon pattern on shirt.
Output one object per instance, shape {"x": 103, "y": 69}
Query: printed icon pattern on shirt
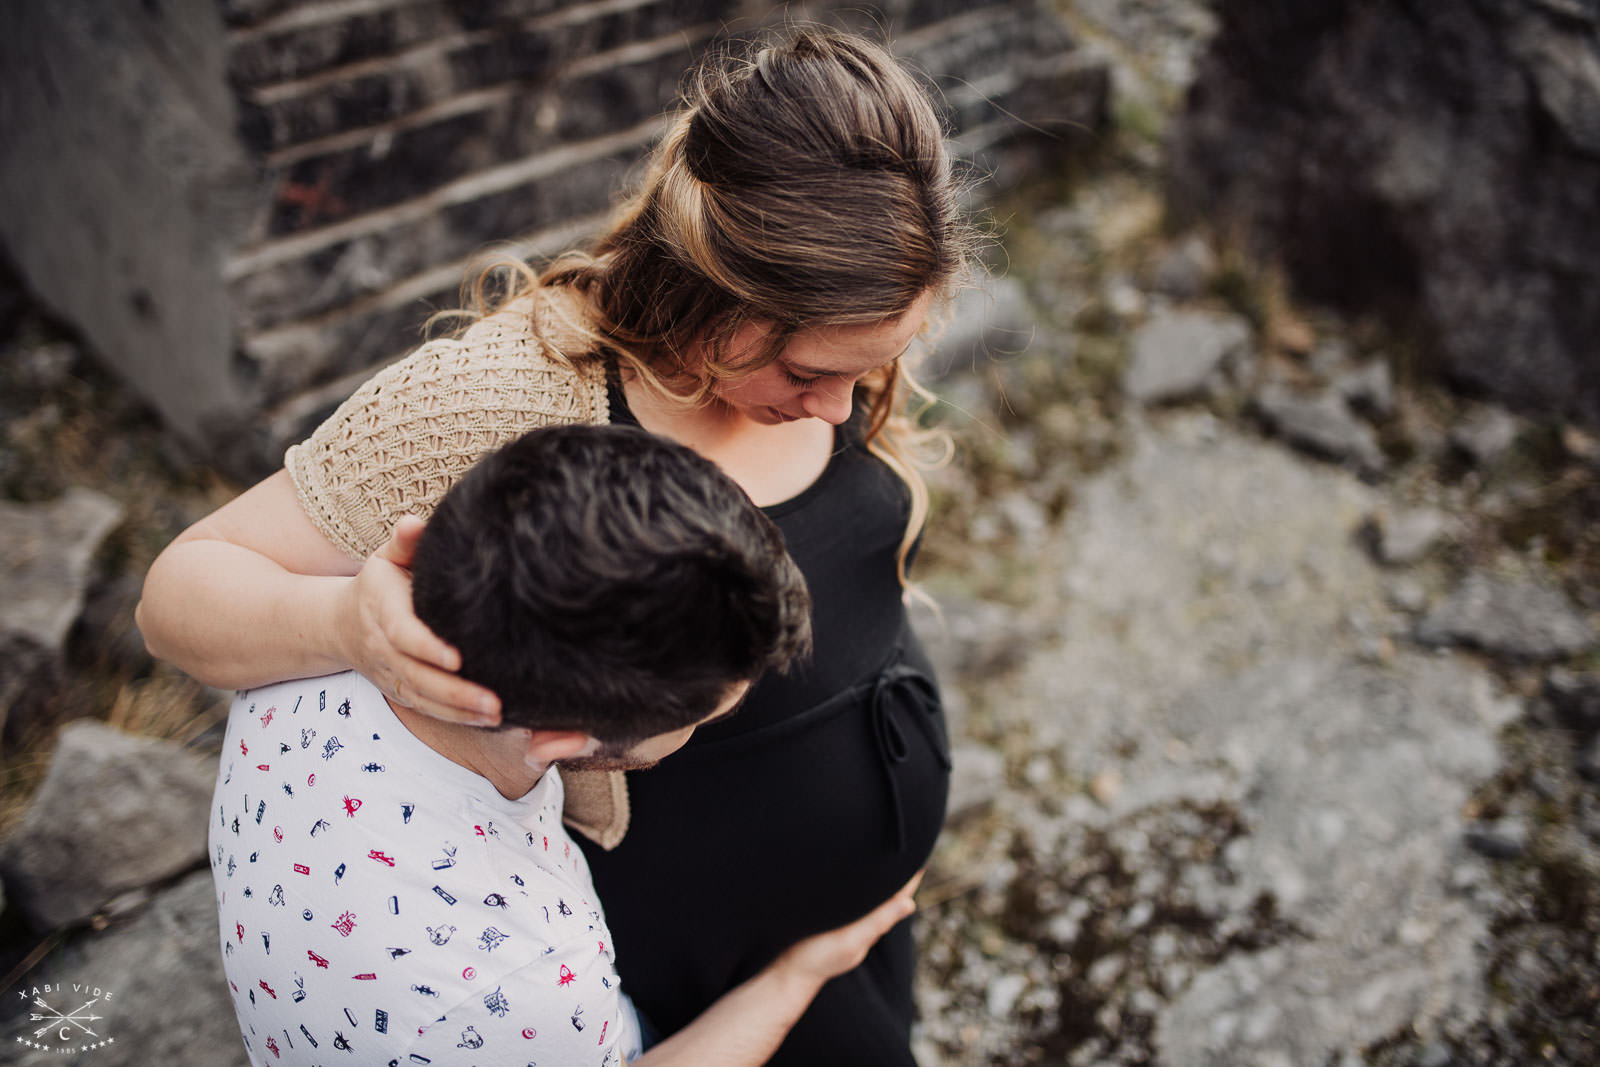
{"x": 377, "y": 900}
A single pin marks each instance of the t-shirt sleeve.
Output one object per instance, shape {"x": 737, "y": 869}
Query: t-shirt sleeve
{"x": 403, "y": 438}
{"x": 564, "y": 1008}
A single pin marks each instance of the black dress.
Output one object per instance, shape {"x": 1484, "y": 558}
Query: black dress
{"x": 804, "y": 810}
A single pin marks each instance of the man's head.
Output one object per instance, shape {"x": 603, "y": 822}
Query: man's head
{"x": 605, "y": 581}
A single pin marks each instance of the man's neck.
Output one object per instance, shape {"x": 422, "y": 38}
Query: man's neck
{"x": 486, "y": 753}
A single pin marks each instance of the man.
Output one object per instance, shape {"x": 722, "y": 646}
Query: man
{"x": 401, "y": 889}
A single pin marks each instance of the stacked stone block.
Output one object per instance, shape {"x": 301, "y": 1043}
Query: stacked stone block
{"x": 388, "y": 144}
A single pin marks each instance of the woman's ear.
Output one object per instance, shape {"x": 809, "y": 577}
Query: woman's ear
{"x": 545, "y": 747}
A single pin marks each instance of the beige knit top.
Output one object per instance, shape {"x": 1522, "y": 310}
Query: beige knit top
{"x": 404, "y": 438}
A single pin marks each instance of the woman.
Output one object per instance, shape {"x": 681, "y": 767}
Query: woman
{"x": 752, "y": 301}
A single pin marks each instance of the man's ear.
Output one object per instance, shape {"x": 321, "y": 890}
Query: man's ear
{"x": 547, "y": 746}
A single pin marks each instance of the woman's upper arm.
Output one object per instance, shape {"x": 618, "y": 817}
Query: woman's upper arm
{"x": 267, "y": 519}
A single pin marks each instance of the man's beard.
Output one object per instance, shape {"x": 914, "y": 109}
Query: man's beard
{"x": 606, "y": 761}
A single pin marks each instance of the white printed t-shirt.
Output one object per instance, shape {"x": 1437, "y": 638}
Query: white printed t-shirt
{"x": 379, "y": 900}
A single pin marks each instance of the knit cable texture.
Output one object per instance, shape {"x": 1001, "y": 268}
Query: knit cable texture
{"x": 403, "y": 438}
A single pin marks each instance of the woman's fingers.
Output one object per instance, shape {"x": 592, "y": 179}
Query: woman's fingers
{"x": 413, "y": 665}
{"x": 882, "y": 919}
{"x": 445, "y": 696}
{"x": 837, "y": 951}
{"x": 402, "y": 630}
{"x": 401, "y": 548}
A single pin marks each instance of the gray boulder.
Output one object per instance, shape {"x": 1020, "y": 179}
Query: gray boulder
{"x": 1432, "y": 163}
{"x": 164, "y": 996}
{"x": 988, "y": 321}
{"x": 43, "y": 574}
{"x": 1177, "y": 355}
{"x": 1485, "y": 435}
{"x": 115, "y": 813}
{"x": 1511, "y": 617}
{"x": 1185, "y": 270}
{"x": 1322, "y": 424}
{"x": 1369, "y": 389}
{"x": 1401, "y": 536}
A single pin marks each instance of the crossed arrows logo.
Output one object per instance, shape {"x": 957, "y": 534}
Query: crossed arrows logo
{"x": 55, "y": 1019}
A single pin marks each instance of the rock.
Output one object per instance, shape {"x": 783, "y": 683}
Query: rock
{"x": 1575, "y": 698}
{"x": 1511, "y": 617}
{"x": 43, "y": 575}
{"x": 1322, "y": 425}
{"x": 1184, "y": 271}
{"x": 1484, "y": 436}
{"x": 114, "y": 812}
{"x": 1176, "y": 354}
{"x": 1407, "y": 595}
{"x": 1499, "y": 839}
{"x": 977, "y": 775}
{"x": 988, "y": 321}
{"x": 1104, "y": 972}
{"x": 1403, "y": 536}
{"x": 1356, "y": 144}
{"x": 1003, "y": 994}
{"x": 169, "y": 1000}
{"x": 1331, "y": 357}
{"x": 1368, "y": 389}
{"x": 1122, "y": 298}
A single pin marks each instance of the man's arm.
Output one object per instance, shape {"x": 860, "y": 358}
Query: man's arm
{"x": 746, "y": 1026}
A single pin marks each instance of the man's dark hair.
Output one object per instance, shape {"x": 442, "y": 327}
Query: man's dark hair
{"x": 604, "y": 579}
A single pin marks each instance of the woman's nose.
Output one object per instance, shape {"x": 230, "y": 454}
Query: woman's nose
{"x": 830, "y": 403}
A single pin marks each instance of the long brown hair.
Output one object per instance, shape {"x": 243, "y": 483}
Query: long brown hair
{"x": 804, "y": 182}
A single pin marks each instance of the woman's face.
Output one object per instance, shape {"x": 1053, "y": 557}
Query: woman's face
{"x": 815, "y": 375}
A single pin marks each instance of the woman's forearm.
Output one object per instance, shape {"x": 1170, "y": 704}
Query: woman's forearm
{"x": 232, "y": 618}
{"x": 250, "y": 594}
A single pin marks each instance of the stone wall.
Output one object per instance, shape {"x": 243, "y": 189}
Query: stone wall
{"x": 248, "y": 205}
{"x": 1436, "y": 162}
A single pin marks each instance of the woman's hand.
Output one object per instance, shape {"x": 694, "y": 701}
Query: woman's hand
{"x": 833, "y": 952}
{"x": 748, "y": 1023}
{"x": 385, "y": 641}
